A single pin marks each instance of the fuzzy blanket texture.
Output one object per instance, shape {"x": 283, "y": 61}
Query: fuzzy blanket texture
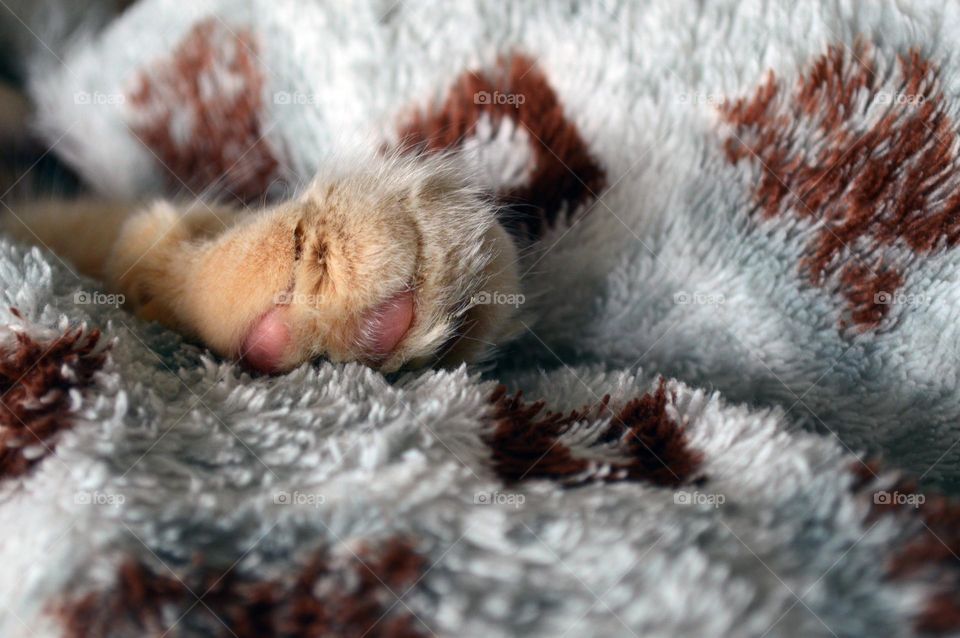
{"x": 741, "y": 283}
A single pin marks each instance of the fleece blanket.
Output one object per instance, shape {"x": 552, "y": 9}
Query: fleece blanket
{"x": 740, "y": 283}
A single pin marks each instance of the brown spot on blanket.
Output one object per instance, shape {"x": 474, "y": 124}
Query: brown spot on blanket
{"x": 35, "y": 383}
{"x": 645, "y": 442}
{"x": 199, "y": 112}
{"x": 927, "y": 554}
{"x": 868, "y": 155}
{"x": 325, "y": 596}
{"x": 563, "y": 177}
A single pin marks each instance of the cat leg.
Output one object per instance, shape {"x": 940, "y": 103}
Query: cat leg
{"x": 386, "y": 266}
{"x": 85, "y": 232}
{"x": 81, "y": 232}
{"x": 401, "y": 264}
{"x": 185, "y": 269}
{"x": 207, "y": 271}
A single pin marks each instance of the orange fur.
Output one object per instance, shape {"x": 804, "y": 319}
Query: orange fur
{"x": 324, "y": 260}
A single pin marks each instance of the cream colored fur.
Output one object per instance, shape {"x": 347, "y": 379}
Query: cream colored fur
{"x": 325, "y": 259}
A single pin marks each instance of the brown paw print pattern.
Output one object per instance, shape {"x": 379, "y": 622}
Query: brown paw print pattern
{"x": 36, "y": 378}
{"x": 199, "y": 113}
{"x": 326, "y": 596}
{"x": 562, "y": 177}
{"x": 928, "y": 553}
{"x": 639, "y": 442}
{"x": 867, "y": 153}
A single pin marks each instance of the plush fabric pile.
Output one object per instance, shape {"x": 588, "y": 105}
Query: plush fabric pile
{"x": 739, "y": 223}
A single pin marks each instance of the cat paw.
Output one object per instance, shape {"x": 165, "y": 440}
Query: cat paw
{"x": 388, "y": 266}
{"x": 384, "y": 267}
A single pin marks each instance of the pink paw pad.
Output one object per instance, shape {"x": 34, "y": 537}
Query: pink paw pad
{"x": 266, "y": 343}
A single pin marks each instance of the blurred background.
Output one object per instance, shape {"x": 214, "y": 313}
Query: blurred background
{"x": 33, "y": 35}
